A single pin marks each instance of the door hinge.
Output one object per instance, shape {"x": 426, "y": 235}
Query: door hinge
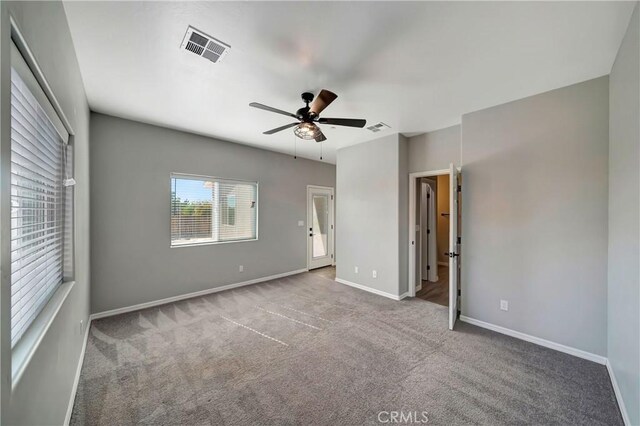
{"x": 459, "y": 240}
{"x": 428, "y": 231}
{"x": 332, "y": 228}
{"x": 428, "y": 195}
{"x": 458, "y": 314}
{"x": 428, "y": 267}
{"x": 332, "y": 256}
{"x": 459, "y": 188}
{"x": 459, "y": 292}
{"x": 332, "y": 197}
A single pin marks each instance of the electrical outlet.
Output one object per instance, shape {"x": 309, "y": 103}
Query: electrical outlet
{"x": 355, "y": 269}
{"x": 504, "y": 305}
{"x": 375, "y": 274}
{"x": 241, "y": 268}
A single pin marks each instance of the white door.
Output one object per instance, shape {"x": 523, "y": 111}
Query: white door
{"x": 453, "y": 246}
{"x": 319, "y": 226}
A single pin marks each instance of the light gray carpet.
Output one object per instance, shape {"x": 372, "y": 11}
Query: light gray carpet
{"x": 328, "y": 354}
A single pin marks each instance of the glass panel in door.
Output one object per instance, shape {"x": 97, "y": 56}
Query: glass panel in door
{"x": 320, "y": 226}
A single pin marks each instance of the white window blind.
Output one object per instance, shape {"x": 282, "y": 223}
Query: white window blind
{"x": 37, "y": 198}
{"x": 210, "y": 210}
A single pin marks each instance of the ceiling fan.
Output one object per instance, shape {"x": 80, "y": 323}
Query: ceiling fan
{"x": 309, "y": 116}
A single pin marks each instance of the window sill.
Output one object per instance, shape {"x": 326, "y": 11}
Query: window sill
{"x": 210, "y": 243}
{"x": 28, "y": 344}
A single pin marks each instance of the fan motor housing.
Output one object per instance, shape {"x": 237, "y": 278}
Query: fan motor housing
{"x": 303, "y": 114}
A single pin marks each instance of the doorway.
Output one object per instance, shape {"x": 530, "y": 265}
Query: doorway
{"x": 434, "y": 251}
{"x": 432, "y": 239}
{"x": 320, "y": 217}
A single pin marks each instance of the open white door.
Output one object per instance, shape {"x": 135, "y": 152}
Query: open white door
{"x": 320, "y": 223}
{"x": 453, "y": 246}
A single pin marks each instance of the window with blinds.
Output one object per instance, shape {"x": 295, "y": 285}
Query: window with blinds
{"x": 38, "y": 142}
{"x": 208, "y": 210}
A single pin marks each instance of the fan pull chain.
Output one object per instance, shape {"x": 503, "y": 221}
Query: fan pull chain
{"x": 321, "y": 143}
{"x": 295, "y": 147}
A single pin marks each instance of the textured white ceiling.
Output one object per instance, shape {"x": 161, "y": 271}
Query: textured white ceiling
{"x": 415, "y": 66}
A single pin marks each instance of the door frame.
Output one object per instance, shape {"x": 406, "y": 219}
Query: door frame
{"x": 412, "y": 222}
{"x": 332, "y": 231}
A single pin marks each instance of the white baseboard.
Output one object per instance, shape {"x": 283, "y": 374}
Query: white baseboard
{"x": 190, "y": 295}
{"x": 537, "y": 340}
{"x": 618, "y": 393}
{"x": 372, "y": 290}
{"x": 76, "y": 380}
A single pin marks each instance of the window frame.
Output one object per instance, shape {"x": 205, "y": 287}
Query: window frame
{"x": 180, "y": 175}
{"x": 20, "y": 355}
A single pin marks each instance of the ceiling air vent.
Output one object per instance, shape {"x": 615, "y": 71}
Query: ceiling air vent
{"x": 197, "y": 42}
{"x": 378, "y": 127}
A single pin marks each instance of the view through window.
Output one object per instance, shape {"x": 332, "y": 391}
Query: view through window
{"x": 210, "y": 210}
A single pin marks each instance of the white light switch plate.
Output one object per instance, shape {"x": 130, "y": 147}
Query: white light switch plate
{"x": 301, "y": 223}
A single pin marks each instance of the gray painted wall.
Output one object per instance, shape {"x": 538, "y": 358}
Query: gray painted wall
{"x": 42, "y": 395}
{"x": 367, "y": 213}
{"x": 435, "y": 150}
{"x": 131, "y": 259}
{"x": 624, "y": 218}
{"x": 534, "y": 215}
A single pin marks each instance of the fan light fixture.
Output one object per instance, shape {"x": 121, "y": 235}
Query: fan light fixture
{"x": 306, "y": 131}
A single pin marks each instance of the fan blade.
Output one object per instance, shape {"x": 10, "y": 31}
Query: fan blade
{"x": 322, "y": 101}
{"x": 349, "y": 122}
{"x": 321, "y": 137}
{"x": 278, "y": 129}
{"x": 268, "y": 108}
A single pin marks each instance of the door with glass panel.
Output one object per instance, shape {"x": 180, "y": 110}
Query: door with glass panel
{"x": 319, "y": 226}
